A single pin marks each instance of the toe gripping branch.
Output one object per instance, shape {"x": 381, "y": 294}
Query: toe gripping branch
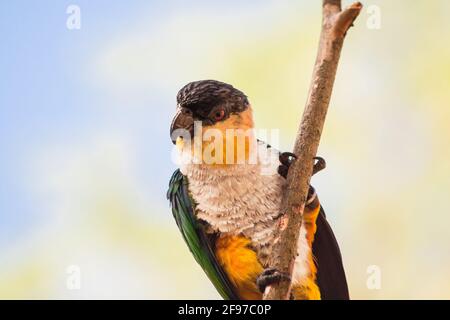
{"x": 319, "y": 165}
{"x": 287, "y": 158}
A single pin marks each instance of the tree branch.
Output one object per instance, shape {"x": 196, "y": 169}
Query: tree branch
{"x": 335, "y": 24}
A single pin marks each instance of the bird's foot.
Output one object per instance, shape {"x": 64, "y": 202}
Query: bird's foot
{"x": 319, "y": 165}
{"x": 287, "y": 158}
{"x": 270, "y": 276}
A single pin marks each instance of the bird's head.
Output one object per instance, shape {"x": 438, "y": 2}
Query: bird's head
{"x": 214, "y": 105}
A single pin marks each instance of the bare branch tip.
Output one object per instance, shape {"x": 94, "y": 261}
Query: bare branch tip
{"x": 357, "y": 6}
{"x": 347, "y": 17}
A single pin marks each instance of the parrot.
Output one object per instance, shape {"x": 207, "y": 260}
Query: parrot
{"x": 228, "y": 212}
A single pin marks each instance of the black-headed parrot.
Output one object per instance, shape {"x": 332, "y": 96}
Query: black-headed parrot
{"x": 226, "y": 200}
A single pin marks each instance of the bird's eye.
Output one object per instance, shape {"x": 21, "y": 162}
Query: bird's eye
{"x": 186, "y": 111}
{"x": 219, "y": 114}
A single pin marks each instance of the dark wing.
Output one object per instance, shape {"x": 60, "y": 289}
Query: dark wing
{"x": 201, "y": 246}
{"x": 330, "y": 270}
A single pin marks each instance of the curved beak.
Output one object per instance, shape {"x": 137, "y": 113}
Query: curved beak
{"x": 181, "y": 123}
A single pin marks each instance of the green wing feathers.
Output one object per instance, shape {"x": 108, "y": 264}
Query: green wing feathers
{"x": 183, "y": 210}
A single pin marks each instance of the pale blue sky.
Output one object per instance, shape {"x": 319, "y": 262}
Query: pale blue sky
{"x": 46, "y": 97}
{"x": 44, "y": 100}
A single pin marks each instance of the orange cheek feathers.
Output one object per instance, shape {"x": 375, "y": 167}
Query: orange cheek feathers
{"x": 236, "y": 143}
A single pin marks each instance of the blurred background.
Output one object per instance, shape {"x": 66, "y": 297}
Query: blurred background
{"x": 86, "y": 155}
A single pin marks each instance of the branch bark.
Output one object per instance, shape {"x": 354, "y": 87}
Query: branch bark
{"x": 335, "y": 24}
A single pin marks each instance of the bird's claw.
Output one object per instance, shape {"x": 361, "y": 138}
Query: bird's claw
{"x": 319, "y": 165}
{"x": 286, "y": 159}
{"x": 270, "y": 276}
